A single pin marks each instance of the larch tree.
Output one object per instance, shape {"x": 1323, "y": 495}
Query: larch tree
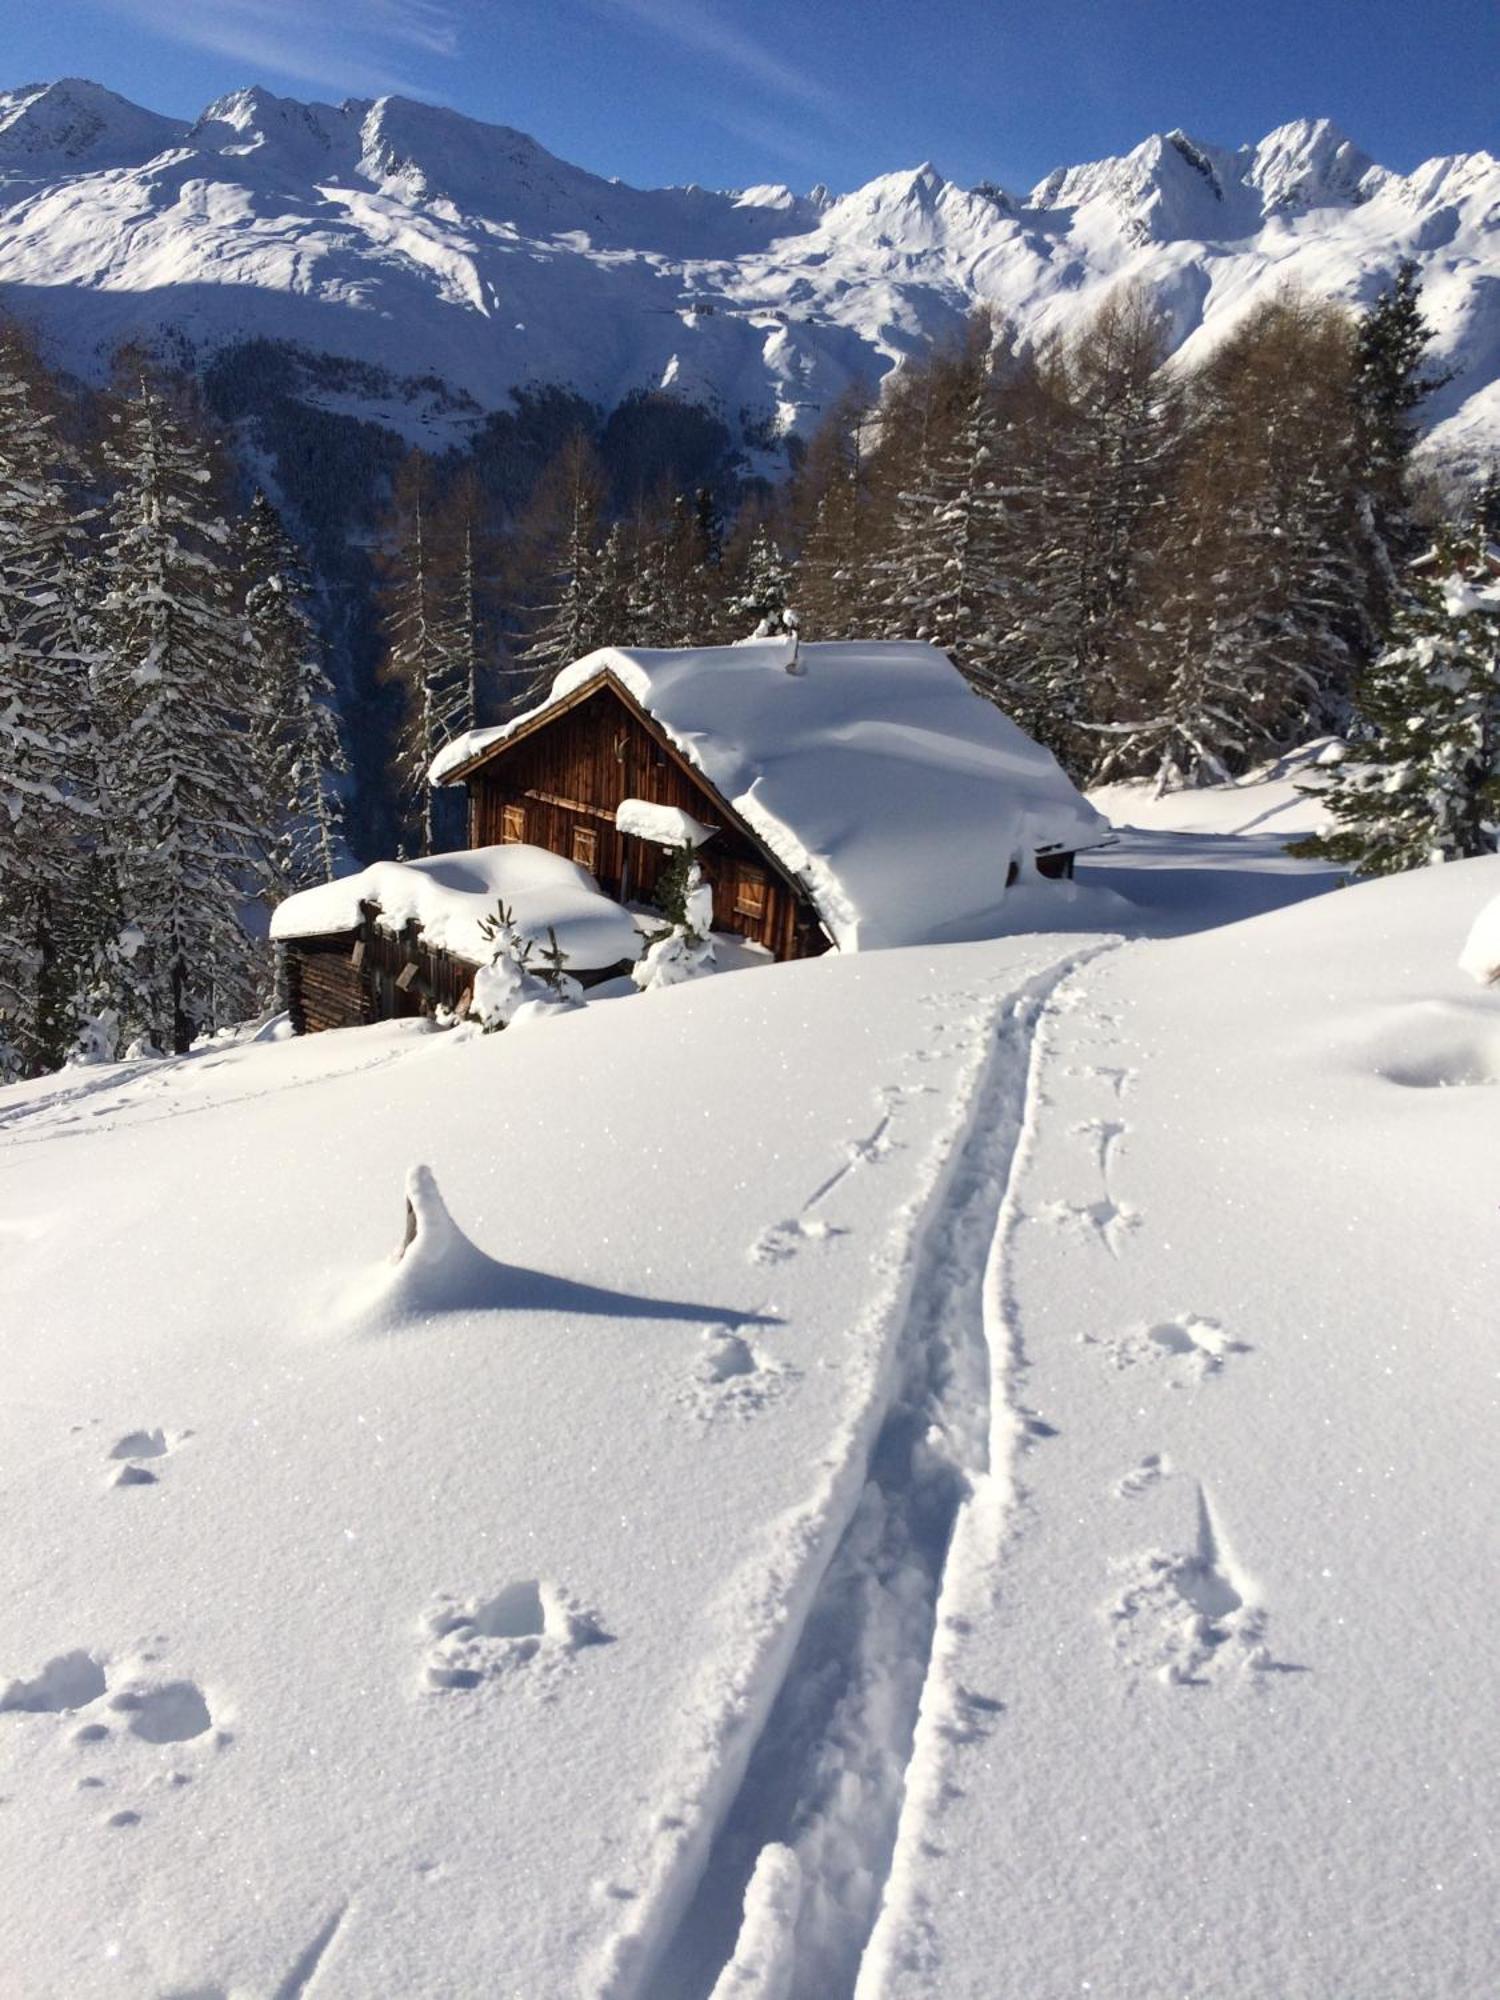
{"x": 1101, "y": 436}
{"x": 1242, "y": 634}
{"x": 831, "y": 522}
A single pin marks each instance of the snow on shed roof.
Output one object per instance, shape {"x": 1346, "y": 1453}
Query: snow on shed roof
{"x": 875, "y": 774}
{"x": 450, "y": 895}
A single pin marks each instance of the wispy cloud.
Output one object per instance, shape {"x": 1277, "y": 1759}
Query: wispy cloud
{"x": 772, "y": 137}
{"x": 354, "y": 45}
{"x": 704, "y": 31}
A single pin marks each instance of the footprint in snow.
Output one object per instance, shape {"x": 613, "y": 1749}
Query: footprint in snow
{"x": 527, "y": 1634}
{"x": 1118, "y": 1079}
{"x": 1190, "y": 1616}
{"x": 1191, "y": 1346}
{"x": 734, "y": 1380}
{"x": 132, "y": 1455}
{"x": 112, "y": 1709}
{"x": 1107, "y": 1222}
{"x": 782, "y": 1240}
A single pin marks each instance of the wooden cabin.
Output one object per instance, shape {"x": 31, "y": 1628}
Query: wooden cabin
{"x": 845, "y": 795}
{"x": 857, "y": 794}
{"x": 559, "y": 778}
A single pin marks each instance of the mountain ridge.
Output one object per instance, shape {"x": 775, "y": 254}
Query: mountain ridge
{"x": 422, "y": 241}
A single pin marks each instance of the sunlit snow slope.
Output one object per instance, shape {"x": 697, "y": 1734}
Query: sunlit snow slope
{"x": 953, "y": 1471}
{"x": 408, "y": 236}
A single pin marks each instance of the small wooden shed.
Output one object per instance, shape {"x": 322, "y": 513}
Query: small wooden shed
{"x": 406, "y": 938}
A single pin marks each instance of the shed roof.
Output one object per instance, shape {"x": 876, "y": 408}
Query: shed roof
{"x": 450, "y": 895}
{"x": 874, "y": 774}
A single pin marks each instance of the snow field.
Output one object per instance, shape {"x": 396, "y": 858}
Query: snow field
{"x": 956, "y": 1471}
{"x": 462, "y": 1619}
{"x": 1204, "y": 1714}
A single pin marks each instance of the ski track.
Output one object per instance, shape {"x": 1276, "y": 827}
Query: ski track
{"x": 806, "y": 1845}
{"x": 951, "y": 1713}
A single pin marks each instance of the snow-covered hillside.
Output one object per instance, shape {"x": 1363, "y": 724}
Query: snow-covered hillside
{"x": 409, "y": 237}
{"x": 953, "y": 1471}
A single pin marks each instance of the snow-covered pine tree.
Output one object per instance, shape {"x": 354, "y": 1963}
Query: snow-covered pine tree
{"x": 923, "y": 463}
{"x": 418, "y": 661}
{"x": 1390, "y": 386}
{"x": 295, "y": 730}
{"x": 185, "y": 812}
{"x": 48, "y": 808}
{"x": 1422, "y": 782}
{"x": 460, "y": 556}
{"x": 564, "y": 537}
{"x": 677, "y": 573}
{"x": 758, "y": 604}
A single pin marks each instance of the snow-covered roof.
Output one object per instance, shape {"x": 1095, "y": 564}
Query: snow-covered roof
{"x": 667, "y": 826}
{"x": 874, "y": 773}
{"x": 450, "y": 895}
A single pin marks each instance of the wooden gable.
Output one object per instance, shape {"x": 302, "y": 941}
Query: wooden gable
{"x": 559, "y": 780}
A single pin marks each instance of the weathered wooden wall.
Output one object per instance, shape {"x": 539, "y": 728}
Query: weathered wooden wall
{"x": 351, "y": 978}
{"x": 559, "y": 788}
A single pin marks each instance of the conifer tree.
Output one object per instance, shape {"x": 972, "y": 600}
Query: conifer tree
{"x": 564, "y": 536}
{"x": 758, "y": 604}
{"x": 186, "y": 811}
{"x": 47, "y": 806}
{"x": 419, "y": 660}
{"x": 299, "y": 747}
{"x": 1422, "y": 783}
{"x": 1246, "y": 624}
{"x": 1389, "y": 387}
{"x": 461, "y": 561}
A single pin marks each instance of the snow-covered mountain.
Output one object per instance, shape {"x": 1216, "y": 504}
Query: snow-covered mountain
{"x": 428, "y": 244}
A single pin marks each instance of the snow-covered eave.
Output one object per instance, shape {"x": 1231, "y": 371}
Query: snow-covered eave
{"x": 292, "y": 930}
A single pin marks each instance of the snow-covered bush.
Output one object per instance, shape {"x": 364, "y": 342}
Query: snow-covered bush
{"x": 517, "y": 978}
{"x": 684, "y": 950}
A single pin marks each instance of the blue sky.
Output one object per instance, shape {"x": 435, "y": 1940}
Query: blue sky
{"x": 728, "y": 92}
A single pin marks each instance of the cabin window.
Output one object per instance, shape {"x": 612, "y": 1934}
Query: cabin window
{"x": 586, "y": 847}
{"x": 750, "y": 893}
{"x": 512, "y": 822}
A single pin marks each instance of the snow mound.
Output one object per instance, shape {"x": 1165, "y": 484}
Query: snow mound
{"x": 450, "y": 895}
{"x": 877, "y": 777}
{"x": 1480, "y": 957}
{"x": 1438, "y": 1045}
